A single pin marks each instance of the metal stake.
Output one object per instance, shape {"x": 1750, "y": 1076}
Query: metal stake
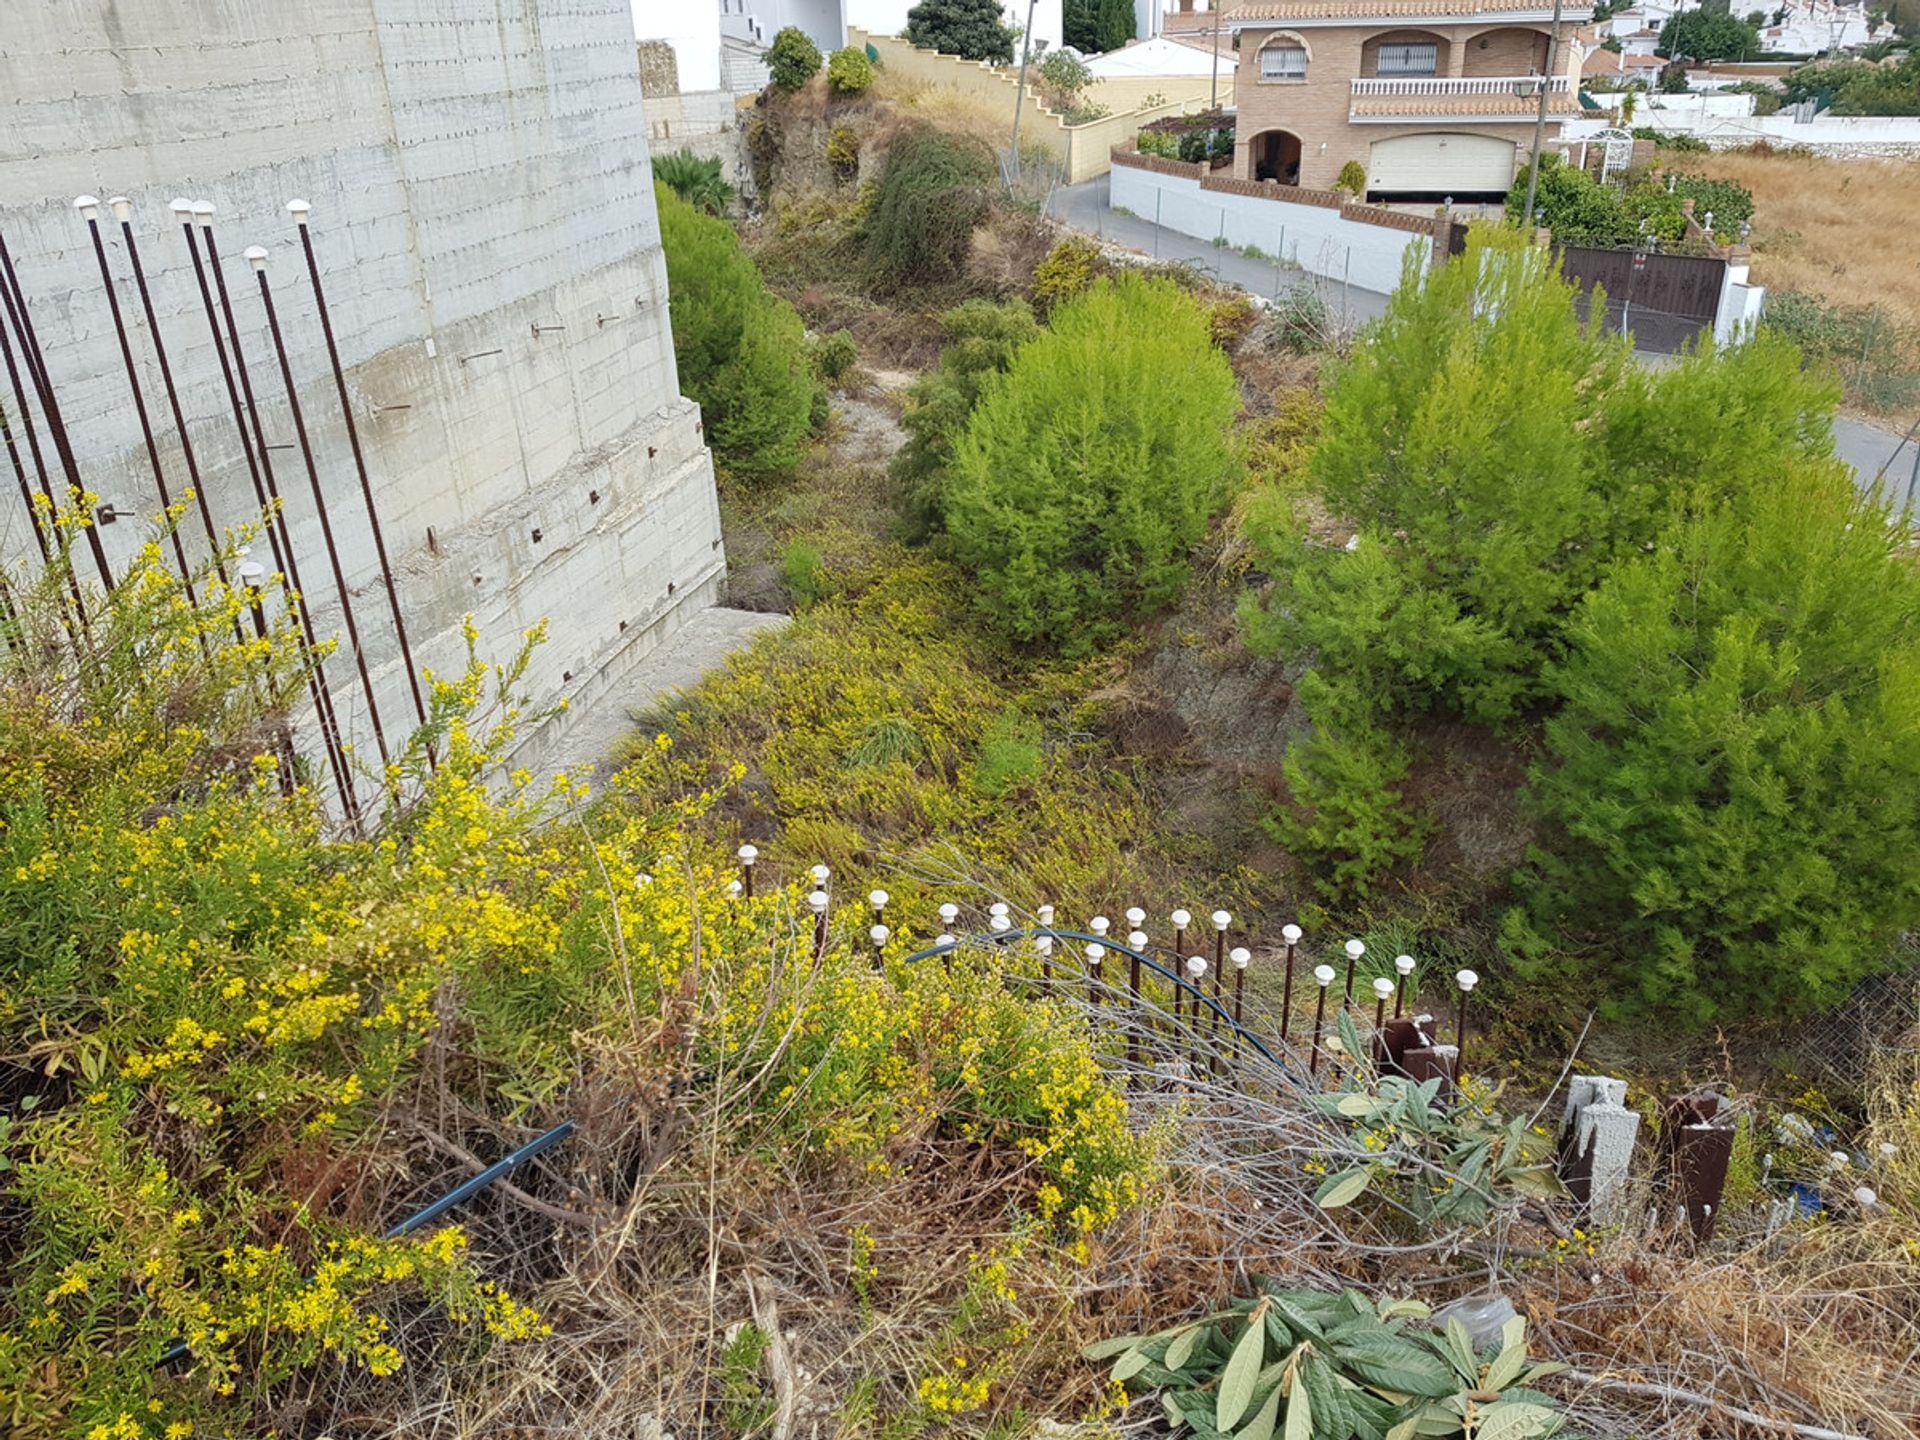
{"x": 258, "y": 258}
{"x": 1291, "y": 934}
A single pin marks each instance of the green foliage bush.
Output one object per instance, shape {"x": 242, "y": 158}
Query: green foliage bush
{"x": 1701, "y": 34}
{"x": 835, "y": 355}
{"x": 695, "y": 180}
{"x": 1067, "y": 270}
{"x": 972, "y": 29}
{"x": 1734, "y": 779}
{"x": 933, "y": 192}
{"x": 1877, "y": 357}
{"x": 1498, "y": 458}
{"x": 1089, "y": 469}
{"x": 982, "y": 338}
{"x": 1857, "y": 87}
{"x": 1352, "y": 178}
{"x": 792, "y": 59}
{"x": 849, "y": 72}
{"x": 803, "y": 570}
{"x": 1580, "y": 210}
{"x": 742, "y": 351}
{"x": 1157, "y": 142}
{"x": 1097, "y": 26}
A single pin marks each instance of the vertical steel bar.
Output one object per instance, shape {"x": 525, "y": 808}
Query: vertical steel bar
{"x": 1319, "y": 1022}
{"x": 16, "y": 305}
{"x": 173, "y": 397}
{"x": 47, "y": 546}
{"x": 26, "y": 489}
{"x": 276, "y": 520}
{"x": 360, "y": 464}
{"x": 89, "y": 209}
{"x": 257, "y": 257}
{"x": 1286, "y": 997}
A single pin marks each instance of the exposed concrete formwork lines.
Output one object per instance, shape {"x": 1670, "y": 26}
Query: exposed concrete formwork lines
{"x": 484, "y": 225}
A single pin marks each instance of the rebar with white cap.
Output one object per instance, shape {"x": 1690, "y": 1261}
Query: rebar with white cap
{"x": 1382, "y": 988}
{"x": 1290, "y": 934}
{"x": 1323, "y": 976}
{"x": 1403, "y": 967}
{"x": 1240, "y": 956}
{"x": 1466, "y": 980}
{"x": 747, "y": 855}
{"x": 1355, "y": 949}
{"x": 817, "y": 902}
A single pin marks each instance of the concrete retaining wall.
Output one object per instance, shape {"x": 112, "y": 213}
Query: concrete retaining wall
{"x": 1843, "y": 136}
{"x": 474, "y": 172}
{"x": 1357, "y": 244}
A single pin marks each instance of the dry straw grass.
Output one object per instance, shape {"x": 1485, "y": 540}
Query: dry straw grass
{"x": 1839, "y": 229}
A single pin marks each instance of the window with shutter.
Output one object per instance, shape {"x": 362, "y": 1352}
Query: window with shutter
{"x": 1419, "y": 57}
{"x": 1283, "y": 62}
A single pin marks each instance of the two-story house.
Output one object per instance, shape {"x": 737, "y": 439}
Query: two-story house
{"x": 1434, "y": 98}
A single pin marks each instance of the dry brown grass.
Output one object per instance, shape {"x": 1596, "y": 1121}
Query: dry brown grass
{"x": 1839, "y": 229}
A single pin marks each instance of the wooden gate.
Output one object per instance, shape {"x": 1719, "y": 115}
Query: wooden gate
{"x": 1664, "y": 300}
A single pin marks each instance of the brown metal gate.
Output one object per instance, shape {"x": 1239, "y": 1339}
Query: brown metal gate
{"x": 1664, "y": 300}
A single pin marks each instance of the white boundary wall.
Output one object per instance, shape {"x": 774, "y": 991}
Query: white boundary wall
{"x": 1317, "y": 238}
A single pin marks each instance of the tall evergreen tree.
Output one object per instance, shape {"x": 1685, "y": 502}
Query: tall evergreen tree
{"x": 972, "y": 29}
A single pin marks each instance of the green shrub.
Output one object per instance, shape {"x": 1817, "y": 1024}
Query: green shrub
{"x": 1067, "y": 270}
{"x": 742, "y": 351}
{"x": 1097, "y": 26}
{"x": 1194, "y": 147}
{"x": 835, "y": 355}
{"x": 792, "y": 59}
{"x": 1010, "y": 755}
{"x": 1877, "y": 358}
{"x": 971, "y": 29}
{"x": 843, "y": 151}
{"x": 982, "y": 337}
{"x": 1089, "y": 469}
{"x": 694, "y": 180}
{"x": 1157, "y": 142}
{"x": 849, "y": 71}
{"x": 804, "y": 572}
{"x": 933, "y": 192}
{"x": 1352, "y": 178}
{"x": 1734, "y": 778}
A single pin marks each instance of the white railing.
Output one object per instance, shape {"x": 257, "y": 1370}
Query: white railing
{"x": 1525, "y": 86}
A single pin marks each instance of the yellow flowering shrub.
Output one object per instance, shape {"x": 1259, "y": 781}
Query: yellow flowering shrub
{"x": 211, "y": 991}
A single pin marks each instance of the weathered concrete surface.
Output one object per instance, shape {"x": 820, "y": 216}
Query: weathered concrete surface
{"x": 703, "y": 643}
{"x": 484, "y": 221}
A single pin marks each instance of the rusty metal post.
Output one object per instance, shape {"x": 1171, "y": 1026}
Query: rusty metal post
{"x": 257, "y": 257}
{"x": 1699, "y": 1147}
{"x": 275, "y": 518}
{"x": 1197, "y": 971}
{"x": 1323, "y": 976}
{"x": 1466, "y": 980}
{"x": 300, "y": 211}
{"x": 1403, "y": 967}
{"x": 20, "y": 475}
{"x": 1096, "y": 972}
{"x": 22, "y": 318}
{"x": 1355, "y": 949}
{"x": 747, "y": 854}
{"x": 878, "y": 934}
{"x": 817, "y": 902}
{"x": 1382, "y": 988}
{"x": 1290, "y": 934}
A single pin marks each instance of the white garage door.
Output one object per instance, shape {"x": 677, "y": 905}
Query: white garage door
{"x": 1442, "y": 164}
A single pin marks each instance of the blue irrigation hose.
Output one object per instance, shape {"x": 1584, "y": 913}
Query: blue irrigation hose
{"x": 1180, "y": 982}
{"x": 459, "y": 1195}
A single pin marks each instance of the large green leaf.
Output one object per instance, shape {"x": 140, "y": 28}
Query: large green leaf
{"x": 1460, "y": 1343}
{"x": 1330, "y": 1418}
{"x": 1237, "y": 1379}
{"x": 1261, "y": 1426}
{"x": 1343, "y": 1188}
{"x": 1388, "y": 1362}
{"x": 1107, "y": 1349}
{"x": 1510, "y": 1421}
{"x": 1538, "y": 1181}
{"x": 1180, "y": 1348}
{"x": 1299, "y": 1409}
{"x": 1130, "y": 1365}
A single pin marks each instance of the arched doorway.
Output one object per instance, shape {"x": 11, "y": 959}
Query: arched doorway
{"x": 1276, "y": 156}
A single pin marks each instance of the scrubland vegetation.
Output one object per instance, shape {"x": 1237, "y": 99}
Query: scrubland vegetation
{"x": 1465, "y": 636}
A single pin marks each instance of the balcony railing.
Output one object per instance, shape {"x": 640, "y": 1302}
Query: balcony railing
{"x": 1526, "y": 86}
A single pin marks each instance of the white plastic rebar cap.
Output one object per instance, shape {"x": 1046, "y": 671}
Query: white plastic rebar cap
{"x": 181, "y": 205}
{"x": 820, "y": 874}
{"x": 1291, "y": 934}
{"x": 1355, "y": 949}
{"x": 1137, "y": 939}
{"x": 1466, "y": 980}
{"x": 1382, "y": 988}
{"x": 1403, "y": 963}
{"x": 949, "y": 913}
{"x": 878, "y": 899}
{"x": 203, "y": 214}
{"x": 1888, "y": 1149}
{"x": 1839, "y": 1159}
{"x": 946, "y": 940}
{"x": 1865, "y": 1198}
{"x": 1323, "y": 974}
{"x": 122, "y": 208}
{"x": 1045, "y": 912}
{"x": 1196, "y": 965}
{"x": 1044, "y": 944}
{"x": 88, "y": 206}
{"x": 818, "y": 900}
{"x": 878, "y": 934}
{"x": 1099, "y": 924}
{"x": 747, "y": 853}
{"x": 257, "y": 257}
{"x": 299, "y": 209}
{"x": 1136, "y": 917}
{"x": 733, "y": 887}
{"x": 1221, "y": 919}
{"x": 1096, "y": 953}
{"x": 251, "y": 573}
{"x": 999, "y": 907}
{"x": 1181, "y": 919}
{"x": 1240, "y": 955}
{"x": 999, "y": 922}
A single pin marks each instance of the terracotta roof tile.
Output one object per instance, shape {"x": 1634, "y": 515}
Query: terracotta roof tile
{"x": 1562, "y": 105}
{"x": 1364, "y": 9}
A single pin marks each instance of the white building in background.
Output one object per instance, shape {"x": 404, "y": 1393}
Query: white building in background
{"x": 694, "y": 33}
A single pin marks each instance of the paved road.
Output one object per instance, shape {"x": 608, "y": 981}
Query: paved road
{"x": 1868, "y": 448}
